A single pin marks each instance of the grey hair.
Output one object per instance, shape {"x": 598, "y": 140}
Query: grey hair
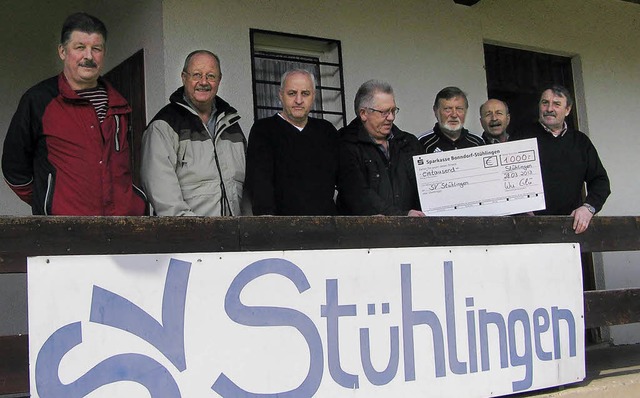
{"x": 560, "y": 91}
{"x": 506, "y": 106}
{"x": 288, "y": 73}
{"x": 196, "y": 52}
{"x": 448, "y": 93}
{"x": 366, "y": 92}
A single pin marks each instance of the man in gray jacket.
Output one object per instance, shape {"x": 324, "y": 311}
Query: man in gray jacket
{"x": 193, "y": 151}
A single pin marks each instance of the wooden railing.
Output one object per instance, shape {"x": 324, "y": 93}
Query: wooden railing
{"x": 21, "y": 237}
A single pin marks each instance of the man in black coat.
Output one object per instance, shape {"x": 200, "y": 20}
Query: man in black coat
{"x": 376, "y": 174}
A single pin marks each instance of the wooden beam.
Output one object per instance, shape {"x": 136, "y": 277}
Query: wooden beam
{"x": 14, "y": 364}
{"x": 39, "y": 236}
{"x": 611, "y": 307}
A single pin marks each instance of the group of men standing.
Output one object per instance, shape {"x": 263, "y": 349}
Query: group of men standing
{"x": 66, "y": 151}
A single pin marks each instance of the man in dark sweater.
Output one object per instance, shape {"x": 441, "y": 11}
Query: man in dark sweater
{"x": 568, "y": 159}
{"x": 292, "y": 159}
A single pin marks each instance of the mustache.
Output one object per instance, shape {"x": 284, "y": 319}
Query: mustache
{"x": 203, "y": 87}
{"x": 548, "y": 114}
{"x": 89, "y": 64}
{"x": 495, "y": 124}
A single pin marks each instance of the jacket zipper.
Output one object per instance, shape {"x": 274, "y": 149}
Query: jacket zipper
{"x": 117, "y": 132}
{"x": 46, "y": 196}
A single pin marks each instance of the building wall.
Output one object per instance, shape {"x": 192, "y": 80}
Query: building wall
{"x": 602, "y": 37}
{"x": 419, "y": 46}
{"x": 413, "y": 45}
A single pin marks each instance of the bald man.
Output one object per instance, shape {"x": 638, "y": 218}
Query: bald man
{"x": 494, "y": 118}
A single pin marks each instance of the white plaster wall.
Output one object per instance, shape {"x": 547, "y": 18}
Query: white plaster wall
{"x": 603, "y": 36}
{"x": 412, "y": 44}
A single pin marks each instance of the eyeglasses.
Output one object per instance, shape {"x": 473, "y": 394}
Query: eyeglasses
{"x": 385, "y": 114}
{"x": 196, "y": 77}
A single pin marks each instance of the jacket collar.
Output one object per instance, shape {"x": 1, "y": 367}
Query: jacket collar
{"x": 562, "y": 132}
{"x": 355, "y": 132}
{"x": 116, "y": 100}
{"x": 222, "y": 106}
{"x": 489, "y": 139}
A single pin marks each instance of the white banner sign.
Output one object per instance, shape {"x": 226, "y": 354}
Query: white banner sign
{"x": 413, "y": 322}
{"x": 490, "y": 180}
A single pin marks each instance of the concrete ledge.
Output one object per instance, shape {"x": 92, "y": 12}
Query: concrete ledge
{"x": 612, "y": 372}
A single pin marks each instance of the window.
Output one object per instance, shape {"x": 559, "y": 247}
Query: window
{"x": 274, "y": 53}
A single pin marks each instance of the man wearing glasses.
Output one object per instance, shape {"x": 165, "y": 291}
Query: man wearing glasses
{"x": 193, "y": 151}
{"x": 450, "y": 109}
{"x": 376, "y": 158}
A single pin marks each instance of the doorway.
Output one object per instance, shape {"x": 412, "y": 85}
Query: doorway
{"x": 518, "y": 76}
{"x": 128, "y": 79}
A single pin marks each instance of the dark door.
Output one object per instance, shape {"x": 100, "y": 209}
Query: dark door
{"x": 128, "y": 79}
{"x": 518, "y": 76}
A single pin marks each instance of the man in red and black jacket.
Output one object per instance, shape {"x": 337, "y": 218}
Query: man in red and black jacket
{"x": 66, "y": 151}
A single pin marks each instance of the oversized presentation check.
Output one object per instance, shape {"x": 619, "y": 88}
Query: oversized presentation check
{"x": 490, "y": 180}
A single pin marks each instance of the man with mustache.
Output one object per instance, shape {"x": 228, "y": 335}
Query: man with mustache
{"x": 568, "y": 160}
{"x": 193, "y": 151}
{"x": 494, "y": 118}
{"x": 66, "y": 151}
{"x": 376, "y": 174}
{"x": 292, "y": 159}
{"x": 450, "y": 109}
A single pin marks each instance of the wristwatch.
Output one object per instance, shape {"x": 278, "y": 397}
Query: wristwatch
{"x": 591, "y": 209}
